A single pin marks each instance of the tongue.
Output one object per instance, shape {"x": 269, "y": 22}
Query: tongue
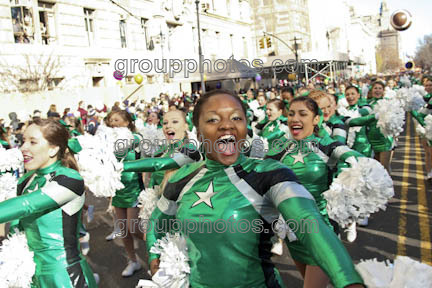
{"x": 227, "y": 148}
{"x": 296, "y": 132}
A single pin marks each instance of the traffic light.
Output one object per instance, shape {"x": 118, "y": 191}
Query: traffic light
{"x": 261, "y": 43}
{"x": 268, "y": 40}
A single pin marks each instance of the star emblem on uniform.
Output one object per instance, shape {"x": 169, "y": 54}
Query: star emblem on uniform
{"x": 271, "y": 128}
{"x": 205, "y": 197}
{"x": 299, "y": 157}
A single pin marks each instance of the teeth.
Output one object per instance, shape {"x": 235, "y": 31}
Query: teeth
{"x": 227, "y": 137}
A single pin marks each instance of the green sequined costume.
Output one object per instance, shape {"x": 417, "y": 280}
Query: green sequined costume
{"x": 128, "y": 196}
{"x": 313, "y": 160}
{"x": 273, "y": 131}
{"x": 361, "y": 142}
{"x": 49, "y": 209}
{"x": 253, "y": 192}
{"x": 172, "y": 157}
{"x": 378, "y": 141}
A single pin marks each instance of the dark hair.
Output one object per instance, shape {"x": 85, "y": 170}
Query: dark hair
{"x": 352, "y": 87}
{"x": 379, "y": 83}
{"x": 56, "y": 134}
{"x": 311, "y": 105}
{"x": 204, "y": 98}
{"x": 288, "y": 90}
{"x": 125, "y": 116}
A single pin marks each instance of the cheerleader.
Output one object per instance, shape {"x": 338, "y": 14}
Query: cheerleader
{"x": 381, "y": 145}
{"x": 125, "y": 202}
{"x": 172, "y": 156}
{"x": 357, "y": 138}
{"x": 230, "y": 187}
{"x": 48, "y": 207}
{"x": 4, "y": 140}
{"x": 419, "y": 116}
{"x": 312, "y": 159}
{"x": 274, "y": 126}
{"x": 332, "y": 126}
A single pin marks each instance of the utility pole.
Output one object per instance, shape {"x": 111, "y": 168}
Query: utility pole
{"x": 199, "y": 48}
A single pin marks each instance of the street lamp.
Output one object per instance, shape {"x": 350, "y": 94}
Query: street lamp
{"x": 199, "y": 48}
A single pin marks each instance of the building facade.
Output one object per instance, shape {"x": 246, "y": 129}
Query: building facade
{"x": 74, "y": 45}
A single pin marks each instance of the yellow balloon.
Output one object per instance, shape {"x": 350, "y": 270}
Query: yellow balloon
{"x": 292, "y": 77}
{"x": 205, "y": 77}
{"x": 119, "y": 82}
{"x": 138, "y": 78}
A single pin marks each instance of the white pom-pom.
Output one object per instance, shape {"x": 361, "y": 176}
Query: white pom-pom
{"x": 153, "y": 139}
{"x": 404, "y": 273}
{"x": 8, "y": 186}
{"x": 428, "y": 127}
{"x": 389, "y": 93}
{"x": 358, "y": 191}
{"x": 98, "y": 165}
{"x": 410, "y": 98}
{"x": 174, "y": 268}
{"x": 147, "y": 202}
{"x": 11, "y": 159}
{"x": 17, "y": 266}
{"x": 352, "y": 131}
{"x": 391, "y": 117}
{"x": 375, "y": 274}
{"x": 342, "y": 103}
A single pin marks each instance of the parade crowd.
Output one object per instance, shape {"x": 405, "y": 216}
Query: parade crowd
{"x": 190, "y": 182}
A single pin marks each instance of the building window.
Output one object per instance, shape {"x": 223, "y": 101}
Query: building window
{"x": 97, "y": 81}
{"x": 89, "y": 19}
{"x": 123, "y": 33}
{"x": 47, "y": 22}
{"x": 144, "y": 30}
{"x": 22, "y": 21}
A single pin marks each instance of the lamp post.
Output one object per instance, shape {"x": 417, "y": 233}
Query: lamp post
{"x": 199, "y": 48}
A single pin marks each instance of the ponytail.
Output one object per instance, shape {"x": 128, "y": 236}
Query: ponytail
{"x": 69, "y": 161}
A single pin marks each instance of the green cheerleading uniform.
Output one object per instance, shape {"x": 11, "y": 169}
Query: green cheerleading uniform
{"x": 48, "y": 207}
{"x": 172, "y": 157}
{"x": 253, "y": 192}
{"x": 361, "y": 142}
{"x": 127, "y": 197}
{"x": 335, "y": 128}
{"x": 420, "y": 117}
{"x": 313, "y": 161}
{"x": 378, "y": 141}
{"x": 189, "y": 120}
{"x": 272, "y": 131}
{"x": 4, "y": 144}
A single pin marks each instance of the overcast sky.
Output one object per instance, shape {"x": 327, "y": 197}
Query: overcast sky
{"x": 421, "y": 11}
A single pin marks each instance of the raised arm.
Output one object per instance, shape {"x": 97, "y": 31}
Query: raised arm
{"x": 179, "y": 158}
{"x": 57, "y": 192}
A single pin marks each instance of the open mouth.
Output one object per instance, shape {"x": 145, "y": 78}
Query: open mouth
{"x": 27, "y": 158}
{"x": 296, "y": 129}
{"x": 226, "y": 145}
{"x": 170, "y": 134}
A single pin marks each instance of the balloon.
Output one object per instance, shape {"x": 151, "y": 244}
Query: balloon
{"x": 218, "y": 85}
{"x": 205, "y": 77}
{"x": 292, "y": 76}
{"x": 401, "y": 20}
{"x": 258, "y": 77}
{"x": 138, "y": 78}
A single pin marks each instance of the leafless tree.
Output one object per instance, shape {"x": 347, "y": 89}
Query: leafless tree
{"x": 423, "y": 56}
{"x": 36, "y": 73}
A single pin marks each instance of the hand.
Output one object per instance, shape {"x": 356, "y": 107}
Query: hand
{"x": 154, "y": 266}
